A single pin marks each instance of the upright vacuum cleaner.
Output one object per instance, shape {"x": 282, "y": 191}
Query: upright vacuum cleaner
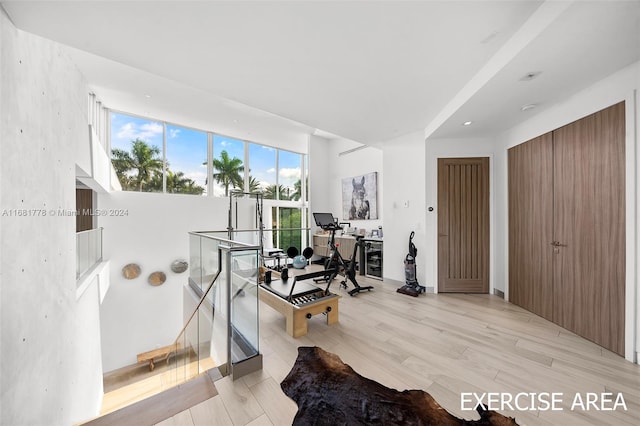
{"x": 412, "y": 288}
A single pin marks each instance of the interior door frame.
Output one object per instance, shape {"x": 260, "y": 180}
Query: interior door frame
{"x": 492, "y": 225}
{"x": 632, "y": 243}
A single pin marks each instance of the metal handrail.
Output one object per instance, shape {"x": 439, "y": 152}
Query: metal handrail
{"x": 202, "y": 299}
{"x": 224, "y": 231}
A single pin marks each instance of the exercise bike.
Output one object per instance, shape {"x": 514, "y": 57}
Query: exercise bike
{"x": 335, "y": 262}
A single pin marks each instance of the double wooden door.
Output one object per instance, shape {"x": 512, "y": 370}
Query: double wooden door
{"x": 567, "y": 227}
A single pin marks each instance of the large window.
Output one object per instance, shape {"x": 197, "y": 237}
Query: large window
{"x": 290, "y": 175}
{"x": 156, "y": 156}
{"x": 290, "y": 218}
{"x": 306, "y": 178}
{"x": 186, "y": 171}
{"x": 228, "y": 165}
{"x": 136, "y": 152}
{"x": 262, "y": 170}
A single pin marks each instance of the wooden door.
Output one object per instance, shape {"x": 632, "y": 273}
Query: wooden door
{"x": 84, "y": 207}
{"x": 531, "y": 225}
{"x": 589, "y": 227}
{"x": 463, "y": 225}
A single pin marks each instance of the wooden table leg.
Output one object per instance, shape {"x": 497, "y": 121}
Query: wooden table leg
{"x": 332, "y": 316}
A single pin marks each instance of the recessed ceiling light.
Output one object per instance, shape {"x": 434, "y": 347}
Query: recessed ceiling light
{"x": 530, "y": 75}
{"x": 527, "y": 107}
{"x": 146, "y": 95}
{"x": 467, "y": 123}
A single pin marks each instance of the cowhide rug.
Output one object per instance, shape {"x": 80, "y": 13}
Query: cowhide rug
{"x": 329, "y": 392}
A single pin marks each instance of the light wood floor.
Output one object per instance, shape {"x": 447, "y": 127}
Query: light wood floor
{"x": 443, "y": 344}
{"x": 165, "y": 376}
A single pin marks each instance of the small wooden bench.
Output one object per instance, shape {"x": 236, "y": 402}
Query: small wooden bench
{"x": 159, "y": 354}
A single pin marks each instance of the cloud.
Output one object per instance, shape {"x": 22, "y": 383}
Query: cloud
{"x": 126, "y": 131}
{"x": 198, "y": 177}
{"x": 290, "y": 173}
{"x": 144, "y": 131}
{"x": 271, "y": 170}
{"x": 173, "y": 133}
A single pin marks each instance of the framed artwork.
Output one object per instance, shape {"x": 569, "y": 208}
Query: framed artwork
{"x": 360, "y": 197}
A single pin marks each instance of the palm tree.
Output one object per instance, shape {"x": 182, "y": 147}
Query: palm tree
{"x": 228, "y": 172}
{"x": 254, "y": 184}
{"x": 143, "y": 159}
{"x": 177, "y": 183}
{"x": 122, "y": 163}
{"x": 297, "y": 193}
{"x": 191, "y": 187}
{"x": 155, "y": 183}
{"x": 274, "y": 192}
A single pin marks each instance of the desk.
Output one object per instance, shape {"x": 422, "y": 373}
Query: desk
{"x": 307, "y": 300}
{"x": 345, "y": 244}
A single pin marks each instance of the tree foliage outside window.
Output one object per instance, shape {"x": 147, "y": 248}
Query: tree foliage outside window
{"x": 135, "y": 169}
{"x": 141, "y": 170}
{"x": 228, "y": 165}
{"x": 185, "y": 149}
{"x": 141, "y": 165}
{"x": 228, "y": 172}
{"x": 290, "y": 218}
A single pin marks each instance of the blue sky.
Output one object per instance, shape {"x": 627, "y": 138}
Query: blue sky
{"x": 187, "y": 150}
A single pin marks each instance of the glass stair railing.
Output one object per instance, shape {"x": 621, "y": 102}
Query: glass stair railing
{"x": 88, "y": 251}
{"x": 222, "y": 329}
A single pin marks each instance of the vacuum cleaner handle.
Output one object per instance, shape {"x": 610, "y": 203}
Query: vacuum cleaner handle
{"x": 413, "y": 251}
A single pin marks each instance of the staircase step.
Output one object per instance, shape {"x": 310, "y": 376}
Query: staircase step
{"x": 163, "y": 405}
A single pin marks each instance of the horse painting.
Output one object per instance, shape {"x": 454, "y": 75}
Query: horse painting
{"x": 359, "y": 195}
{"x": 360, "y": 209}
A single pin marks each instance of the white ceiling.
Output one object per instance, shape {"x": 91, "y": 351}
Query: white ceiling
{"x": 363, "y": 70}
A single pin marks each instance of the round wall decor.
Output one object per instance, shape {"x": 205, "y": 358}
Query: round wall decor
{"x": 131, "y": 271}
{"x": 179, "y": 266}
{"x": 157, "y": 278}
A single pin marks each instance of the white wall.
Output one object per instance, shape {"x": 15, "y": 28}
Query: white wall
{"x": 153, "y": 232}
{"x": 349, "y": 165}
{"x": 319, "y": 175}
{"x": 50, "y": 367}
{"x": 404, "y": 182}
{"x": 617, "y": 87}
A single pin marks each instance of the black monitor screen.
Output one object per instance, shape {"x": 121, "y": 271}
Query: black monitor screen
{"x": 323, "y": 219}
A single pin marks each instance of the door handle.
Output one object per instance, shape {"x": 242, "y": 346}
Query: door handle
{"x": 557, "y": 244}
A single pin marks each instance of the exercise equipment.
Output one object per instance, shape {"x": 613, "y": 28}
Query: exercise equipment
{"x": 411, "y": 287}
{"x": 298, "y": 299}
{"x": 234, "y": 209}
{"x": 335, "y": 261}
{"x": 299, "y": 262}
